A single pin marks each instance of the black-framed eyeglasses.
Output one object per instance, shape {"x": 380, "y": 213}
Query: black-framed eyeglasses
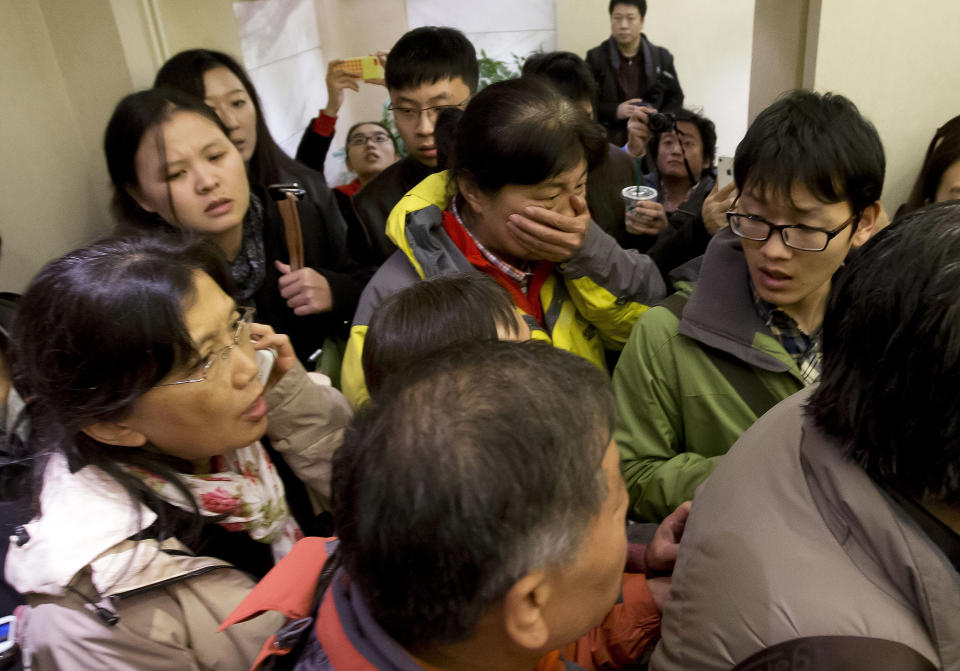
{"x": 359, "y": 139}
{"x": 413, "y": 113}
{"x": 796, "y": 236}
{"x": 241, "y": 337}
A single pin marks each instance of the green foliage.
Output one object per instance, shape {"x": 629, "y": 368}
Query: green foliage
{"x": 494, "y": 70}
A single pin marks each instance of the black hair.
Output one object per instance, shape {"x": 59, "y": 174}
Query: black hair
{"x": 94, "y": 331}
{"x": 133, "y": 116}
{"x": 706, "y": 128}
{"x": 522, "y": 131}
{"x": 428, "y": 54}
{"x": 268, "y": 164}
{"x": 944, "y": 151}
{"x": 373, "y": 123}
{"x": 817, "y": 141}
{"x": 891, "y": 356}
{"x": 568, "y": 73}
{"x": 641, "y": 6}
{"x": 429, "y": 316}
{"x": 474, "y": 468}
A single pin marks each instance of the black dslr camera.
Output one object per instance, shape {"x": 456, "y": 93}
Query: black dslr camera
{"x": 659, "y": 122}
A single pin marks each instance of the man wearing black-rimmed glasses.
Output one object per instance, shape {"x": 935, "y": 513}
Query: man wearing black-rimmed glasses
{"x": 701, "y": 368}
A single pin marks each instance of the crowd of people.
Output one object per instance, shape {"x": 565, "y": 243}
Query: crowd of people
{"x": 477, "y": 409}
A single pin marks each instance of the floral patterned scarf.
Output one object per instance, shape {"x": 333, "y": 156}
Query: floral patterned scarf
{"x": 245, "y": 489}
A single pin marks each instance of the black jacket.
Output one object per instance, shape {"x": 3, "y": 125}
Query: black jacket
{"x": 660, "y": 86}
{"x": 604, "y": 183}
{"x": 374, "y": 202}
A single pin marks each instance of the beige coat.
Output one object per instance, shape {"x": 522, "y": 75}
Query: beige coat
{"x": 169, "y": 603}
{"x": 788, "y": 539}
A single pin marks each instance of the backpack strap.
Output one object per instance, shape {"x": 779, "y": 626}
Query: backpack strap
{"x": 837, "y": 653}
{"x": 739, "y": 374}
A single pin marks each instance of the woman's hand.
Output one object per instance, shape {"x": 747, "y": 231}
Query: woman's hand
{"x": 264, "y": 337}
{"x": 647, "y": 217}
{"x": 715, "y": 207}
{"x": 337, "y": 81}
{"x": 307, "y": 291}
{"x": 549, "y": 235}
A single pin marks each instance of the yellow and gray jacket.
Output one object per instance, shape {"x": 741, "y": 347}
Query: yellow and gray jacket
{"x": 589, "y": 303}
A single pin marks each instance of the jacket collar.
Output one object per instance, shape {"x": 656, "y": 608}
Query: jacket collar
{"x": 60, "y": 546}
{"x": 882, "y": 540}
{"x": 613, "y": 53}
{"x": 416, "y": 227}
{"x": 721, "y": 312}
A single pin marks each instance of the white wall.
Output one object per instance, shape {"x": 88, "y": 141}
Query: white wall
{"x": 501, "y": 28}
{"x": 711, "y": 43}
{"x": 283, "y": 54}
{"x": 898, "y": 62}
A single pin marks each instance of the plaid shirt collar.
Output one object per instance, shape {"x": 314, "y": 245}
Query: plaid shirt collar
{"x": 521, "y": 277}
{"x": 806, "y": 350}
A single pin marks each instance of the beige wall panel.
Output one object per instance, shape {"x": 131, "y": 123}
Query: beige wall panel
{"x": 898, "y": 62}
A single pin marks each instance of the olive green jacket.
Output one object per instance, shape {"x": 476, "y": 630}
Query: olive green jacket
{"x": 677, "y": 413}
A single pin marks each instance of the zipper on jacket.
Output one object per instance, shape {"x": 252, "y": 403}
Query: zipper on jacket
{"x": 169, "y": 581}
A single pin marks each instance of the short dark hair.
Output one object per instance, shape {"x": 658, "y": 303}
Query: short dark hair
{"x": 891, "y": 356}
{"x": 944, "y": 151}
{"x": 566, "y": 71}
{"x": 133, "y": 116}
{"x": 641, "y": 6}
{"x": 269, "y": 164}
{"x": 430, "y": 315}
{"x": 522, "y": 131}
{"x": 706, "y": 128}
{"x": 428, "y": 54}
{"x": 470, "y": 484}
{"x": 94, "y": 331}
{"x": 818, "y": 141}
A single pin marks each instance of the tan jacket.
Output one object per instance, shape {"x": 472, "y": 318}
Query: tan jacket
{"x": 79, "y": 570}
{"x": 788, "y": 539}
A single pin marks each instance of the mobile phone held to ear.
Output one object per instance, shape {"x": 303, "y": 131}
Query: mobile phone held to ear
{"x": 724, "y": 171}
{"x": 266, "y": 358}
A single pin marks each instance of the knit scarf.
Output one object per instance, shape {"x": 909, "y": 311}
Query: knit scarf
{"x": 250, "y": 266}
{"x": 244, "y": 490}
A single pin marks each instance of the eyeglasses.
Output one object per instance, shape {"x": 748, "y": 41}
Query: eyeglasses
{"x": 241, "y": 338}
{"x": 413, "y": 113}
{"x": 359, "y": 139}
{"x": 795, "y": 236}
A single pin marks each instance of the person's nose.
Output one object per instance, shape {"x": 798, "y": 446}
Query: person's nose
{"x": 426, "y": 122}
{"x": 228, "y": 117}
{"x": 206, "y": 178}
{"x": 244, "y": 366}
{"x": 774, "y": 249}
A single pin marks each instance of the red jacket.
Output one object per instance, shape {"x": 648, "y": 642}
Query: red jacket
{"x": 351, "y": 641}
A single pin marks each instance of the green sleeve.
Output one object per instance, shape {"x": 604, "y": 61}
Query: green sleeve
{"x": 649, "y": 432}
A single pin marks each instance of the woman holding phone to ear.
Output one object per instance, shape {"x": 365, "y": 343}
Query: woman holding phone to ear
{"x": 148, "y": 423}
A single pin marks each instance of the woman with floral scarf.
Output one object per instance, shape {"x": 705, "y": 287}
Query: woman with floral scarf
{"x": 154, "y": 504}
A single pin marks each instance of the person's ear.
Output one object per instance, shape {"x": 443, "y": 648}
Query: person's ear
{"x": 134, "y": 192}
{"x": 867, "y": 225}
{"x": 472, "y": 193}
{"x": 524, "y": 610}
{"x": 115, "y": 433}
